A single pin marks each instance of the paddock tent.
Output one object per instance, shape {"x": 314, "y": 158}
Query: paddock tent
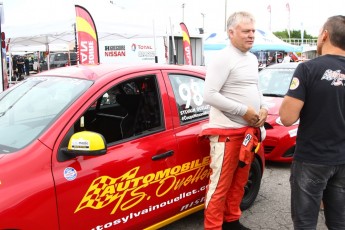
{"x": 41, "y": 39}
{"x": 263, "y": 41}
{"x": 268, "y": 41}
{"x": 58, "y": 34}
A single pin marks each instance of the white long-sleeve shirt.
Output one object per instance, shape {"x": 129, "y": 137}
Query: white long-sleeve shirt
{"x": 231, "y": 86}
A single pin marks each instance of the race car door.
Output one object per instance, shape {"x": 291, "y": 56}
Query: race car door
{"x": 190, "y": 114}
{"x": 132, "y": 185}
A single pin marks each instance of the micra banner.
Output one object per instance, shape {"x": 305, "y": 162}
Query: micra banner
{"x": 87, "y": 38}
{"x": 187, "y": 50}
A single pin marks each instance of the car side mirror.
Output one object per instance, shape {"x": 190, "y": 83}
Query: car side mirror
{"x": 86, "y": 143}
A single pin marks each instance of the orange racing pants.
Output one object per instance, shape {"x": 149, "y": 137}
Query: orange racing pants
{"x": 227, "y": 180}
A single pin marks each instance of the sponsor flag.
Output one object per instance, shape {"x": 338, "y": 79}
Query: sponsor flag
{"x": 87, "y": 38}
{"x": 187, "y": 50}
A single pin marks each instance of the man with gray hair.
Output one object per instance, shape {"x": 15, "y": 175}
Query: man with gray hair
{"x": 237, "y": 109}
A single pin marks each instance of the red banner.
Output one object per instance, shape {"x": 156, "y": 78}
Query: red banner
{"x": 87, "y": 39}
{"x": 187, "y": 50}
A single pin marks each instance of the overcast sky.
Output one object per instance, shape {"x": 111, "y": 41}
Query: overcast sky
{"x": 209, "y": 14}
{"x": 309, "y": 13}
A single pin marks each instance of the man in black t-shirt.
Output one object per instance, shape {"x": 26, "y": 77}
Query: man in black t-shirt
{"x": 317, "y": 97}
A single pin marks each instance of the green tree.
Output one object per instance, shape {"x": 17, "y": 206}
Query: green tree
{"x": 293, "y": 34}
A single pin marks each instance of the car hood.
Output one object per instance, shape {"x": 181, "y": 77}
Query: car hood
{"x": 274, "y": 104}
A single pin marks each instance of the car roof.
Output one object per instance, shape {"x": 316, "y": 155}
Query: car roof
{"x": 94, "y": 72}
{"x": 288, "y": 65}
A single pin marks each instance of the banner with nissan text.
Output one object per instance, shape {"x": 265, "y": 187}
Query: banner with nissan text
{"x": 87, "y": 38}
{"x": 187, "y": 50}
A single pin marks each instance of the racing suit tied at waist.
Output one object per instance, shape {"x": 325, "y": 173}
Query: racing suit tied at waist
{"x": 250, "y": 145}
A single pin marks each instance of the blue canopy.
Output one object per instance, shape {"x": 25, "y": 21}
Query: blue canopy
{"x": 263, "y": 41}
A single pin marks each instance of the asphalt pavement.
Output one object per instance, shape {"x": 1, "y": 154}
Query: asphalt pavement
{"x": 271, "y": 210}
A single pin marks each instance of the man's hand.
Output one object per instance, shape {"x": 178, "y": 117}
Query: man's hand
{"x": 254, "y": 119}
{"x": 251, "y": 117}
{"x": 262, "y": 118}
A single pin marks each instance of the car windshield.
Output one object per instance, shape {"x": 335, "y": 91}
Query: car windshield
{"x": 29, "y": 107}
{"x": 275, "y": 82}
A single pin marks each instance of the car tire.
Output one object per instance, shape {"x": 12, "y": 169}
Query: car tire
{"x": 251, "y": 190}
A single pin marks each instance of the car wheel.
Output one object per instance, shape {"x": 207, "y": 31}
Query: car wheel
{"x": 252, "y": 187}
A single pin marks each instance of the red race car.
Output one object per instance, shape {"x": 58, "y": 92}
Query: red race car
{"x": 106, "y": 147}
{"x": 274, "y": 81}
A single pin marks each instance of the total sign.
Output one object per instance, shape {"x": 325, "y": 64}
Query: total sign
{"x": 140, "y": 50}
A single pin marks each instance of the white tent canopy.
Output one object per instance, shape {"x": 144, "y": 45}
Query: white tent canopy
{"x": 66, "y": 39}
{"x": 111, "y": 24}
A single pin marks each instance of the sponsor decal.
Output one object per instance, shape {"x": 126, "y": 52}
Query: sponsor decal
{"x": 132, "y": 188}
{"x": 294, "y": 83}
{"x": 130, "y": 51}
{"x": 336, "y": 77}
{"x": 247, "y": 139}
{"x": 133, "y": 215}
{"x": 80, "y": 144}
{"x": 112, "y": 48}
{"x": 142, "y": 49}
{"x": 87, "y": 50}
{"x": 134, "y": 47}
{"x": 191, "y": 95}
{"x": 70, "y": 173}
{"x": 146, "y": 52}
{"x": 115, "y": 51}
{"x": 193, "y": 113}
{"x": 145, "y": 47}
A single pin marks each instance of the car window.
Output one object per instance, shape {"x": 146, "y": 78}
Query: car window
{"x": 275, "y": 81}
{"x": 188, "y": 91}
{"x": 127, "y": 110}
{"x": 60, "y": 57}
{"x": 28, "y": 108}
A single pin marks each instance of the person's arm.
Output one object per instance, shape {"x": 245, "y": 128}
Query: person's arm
{"x": 217, "y": 74}
{"x": 290, "y": 110}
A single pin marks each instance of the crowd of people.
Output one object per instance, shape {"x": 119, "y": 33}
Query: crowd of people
{"x": 267, "y": 58}
{"x": 20, "y": 67}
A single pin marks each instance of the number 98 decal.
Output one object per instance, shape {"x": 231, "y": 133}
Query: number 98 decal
{"x": 190, "y": 93}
